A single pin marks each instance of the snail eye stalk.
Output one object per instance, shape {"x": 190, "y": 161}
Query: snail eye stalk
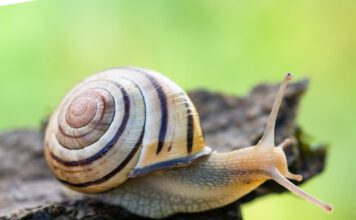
{"x": 267, "y": 139}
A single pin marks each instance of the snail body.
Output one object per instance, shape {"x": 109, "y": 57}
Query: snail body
{"x": 132, "y": 137}
{"x": 207, "y": 184}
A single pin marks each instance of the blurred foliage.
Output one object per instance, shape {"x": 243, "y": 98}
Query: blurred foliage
{"x": 46, "y": 47}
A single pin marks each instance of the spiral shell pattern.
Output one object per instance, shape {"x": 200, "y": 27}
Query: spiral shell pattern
{"x": 121, "y": 123}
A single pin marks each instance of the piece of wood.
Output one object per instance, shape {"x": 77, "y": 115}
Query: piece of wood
{"x": 29, "y": 191}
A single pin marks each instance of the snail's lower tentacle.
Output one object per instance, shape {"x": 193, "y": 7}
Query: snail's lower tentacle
{"x": 292, "y": 176}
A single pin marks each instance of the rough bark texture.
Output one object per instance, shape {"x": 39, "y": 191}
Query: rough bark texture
{"x": 28, "y": 190}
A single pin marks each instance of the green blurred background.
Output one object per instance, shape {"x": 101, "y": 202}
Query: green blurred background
{"x": 46, "y": 47}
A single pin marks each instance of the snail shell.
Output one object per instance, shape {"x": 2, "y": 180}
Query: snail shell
{"x": 121, "y": 123}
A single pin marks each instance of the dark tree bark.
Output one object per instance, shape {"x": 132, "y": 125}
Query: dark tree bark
{"x": 29, "y": 191}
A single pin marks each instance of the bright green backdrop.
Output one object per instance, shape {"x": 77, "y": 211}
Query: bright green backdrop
{"x": 46, "y": 47}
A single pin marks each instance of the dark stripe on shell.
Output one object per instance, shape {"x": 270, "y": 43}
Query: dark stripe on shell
{"x": 170, "y": 163}
{"x": 113, "y": 172}
{"x": 190, "y": 128}
{"x": 109, "y": 145}
{"x": 164, "y": 108}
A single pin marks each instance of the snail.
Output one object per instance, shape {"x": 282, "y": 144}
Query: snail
{"x": 132, "y": 137}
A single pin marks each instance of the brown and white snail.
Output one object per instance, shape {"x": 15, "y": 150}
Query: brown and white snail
{"x": 133, "y": 137}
